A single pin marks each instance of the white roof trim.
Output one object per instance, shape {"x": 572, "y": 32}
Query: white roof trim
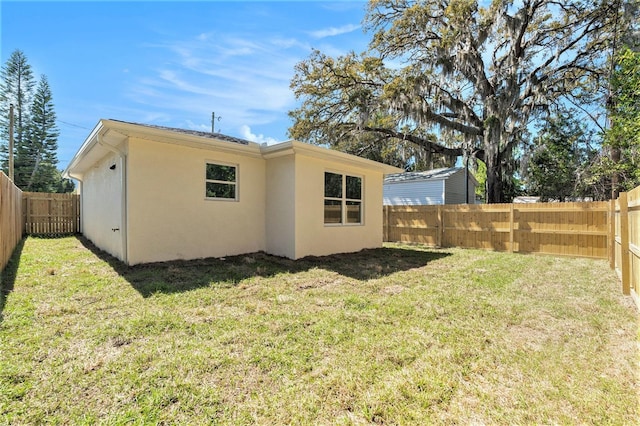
{"x": 427, "y": 176}
{"x": 113, "y": 133}
{"x": 301, "y": 148}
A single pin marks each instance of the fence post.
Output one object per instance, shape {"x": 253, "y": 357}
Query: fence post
{"x": 52, "y": 206}
{"x": 612, "y": 234}
{"x": 440, "y": 229}
{"x": 624, "y": 243}
{"x": 511, "y": 228}
{"x": 25, "y": 206}
{"x": 50, "y": 214}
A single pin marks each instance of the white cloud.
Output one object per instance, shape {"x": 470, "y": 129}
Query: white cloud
{"x": 333, "y": 31}
{"x": 246, "y": 133}
{"x": 287, "y": 43}
{"x": 199, "y": 127}
{"x": 245, "y": 81}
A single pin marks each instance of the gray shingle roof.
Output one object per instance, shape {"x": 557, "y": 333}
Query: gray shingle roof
{"x": 435, "y": 174}
{"x": 218, "y": 136}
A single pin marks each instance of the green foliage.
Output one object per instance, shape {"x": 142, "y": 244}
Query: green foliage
{"x": 556, "y": 165}
{"x": 16, "y": 87}
{"x": 467, "y": 78}
{"x": 480, "y": 173}
{"x": 339, "y": 111}
{"x": 62, "y": 185}
{"x": 35, "y": 130}
{"x": 624, "y": 108}
{"x": 36, "y": 158}
{"x": 511, "y": 185}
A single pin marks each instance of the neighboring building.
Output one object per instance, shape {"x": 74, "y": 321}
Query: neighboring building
{"x": 526, "y": 199}
{"x": 151, "y": 193}
{"x": 440, "y": 186}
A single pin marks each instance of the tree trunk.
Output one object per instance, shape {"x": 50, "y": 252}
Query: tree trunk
{"x": 615, "y": 176}
{"x": 33, "y": 172}
{"x": 492, "y": 160}
{"x": 494, "y": 179}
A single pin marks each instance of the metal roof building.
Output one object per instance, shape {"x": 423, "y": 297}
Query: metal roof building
{"x": 439, "y": 186}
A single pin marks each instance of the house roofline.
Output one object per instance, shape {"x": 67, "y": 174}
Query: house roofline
{"x": 113, "y": 132}
{"x": 427, "y": 176}
{"x": 301, "y": 148}
{"x": 117, "y": 131}
{"x": 86, "y": 146}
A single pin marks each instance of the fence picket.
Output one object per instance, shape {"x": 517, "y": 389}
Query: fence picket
{"x": 48, "y": 214}
{"x": 566, "y": 229}
{"x": 11, "y": 224}
{"x": 603, "y": 230}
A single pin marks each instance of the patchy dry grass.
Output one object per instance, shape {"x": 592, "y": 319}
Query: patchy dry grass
{"x": 399, "y": 335}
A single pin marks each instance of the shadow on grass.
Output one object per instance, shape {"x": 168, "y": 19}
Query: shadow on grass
{"x": 184, "y": 275}
{"x": 8, "y": 276}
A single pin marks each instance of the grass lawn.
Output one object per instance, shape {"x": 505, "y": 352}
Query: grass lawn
{"x": 398, "y": 335}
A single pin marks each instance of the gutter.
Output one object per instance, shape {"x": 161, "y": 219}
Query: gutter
{"x": 296, "y": 147}
{"x": 84, "y": 149}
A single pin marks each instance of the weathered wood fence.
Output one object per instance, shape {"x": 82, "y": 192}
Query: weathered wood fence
{"x": 602, "y": 230}
{"x": 11, "y": 222}
{"x": 51, "y": 214}
{"x": 33, "y": 213}
{"x": 624, "y": 254}
{"x": 565, "y": 229}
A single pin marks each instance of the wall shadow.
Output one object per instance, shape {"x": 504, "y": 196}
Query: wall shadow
{"x": 185, "y": 275}
{"x": 8, "y": 276}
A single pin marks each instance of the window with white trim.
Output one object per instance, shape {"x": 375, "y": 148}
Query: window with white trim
{"x": 221, "y": 181}
{"x": 342, "y": 199}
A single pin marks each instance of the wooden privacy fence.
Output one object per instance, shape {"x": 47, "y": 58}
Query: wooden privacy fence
{"x": 567, "y": 229}
{"x": 51, "y": 214}
{"x": 11, "y": 223}
{"x": 33, "y": 213}
{"x": 624, "y": 254}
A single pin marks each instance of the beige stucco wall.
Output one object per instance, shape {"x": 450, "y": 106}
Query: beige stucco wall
{"x": 162, "y": 212}
{"x": 169, "y": 216}
{"x": 312, "y": 236}
{"x": 280, "y": 206}
{"x": 102, "y": 205}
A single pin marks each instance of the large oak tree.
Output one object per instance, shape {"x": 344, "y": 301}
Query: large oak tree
{"x": 457, "y": 78}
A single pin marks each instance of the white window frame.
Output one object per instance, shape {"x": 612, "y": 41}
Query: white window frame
{"x": 343, "y": 200}
{"x": 236, "y": 182}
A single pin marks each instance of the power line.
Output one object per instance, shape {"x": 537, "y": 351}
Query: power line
{"x": 72, "y": 125}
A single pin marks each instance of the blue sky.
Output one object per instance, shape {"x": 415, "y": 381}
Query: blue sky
{"x": 173, "y": 63}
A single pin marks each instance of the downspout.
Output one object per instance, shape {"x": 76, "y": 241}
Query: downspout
{"x": 123, "y": 202}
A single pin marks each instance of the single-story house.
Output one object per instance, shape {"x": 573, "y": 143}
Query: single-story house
{"x": 152, "y": 193}
{"x": 439, "y": 186}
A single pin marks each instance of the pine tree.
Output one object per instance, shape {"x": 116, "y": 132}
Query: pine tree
{"x": 16, "y": 87}
{"x": 36, "y": 158}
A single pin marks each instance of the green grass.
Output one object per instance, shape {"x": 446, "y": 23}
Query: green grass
{"x": 399, "y": 335}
